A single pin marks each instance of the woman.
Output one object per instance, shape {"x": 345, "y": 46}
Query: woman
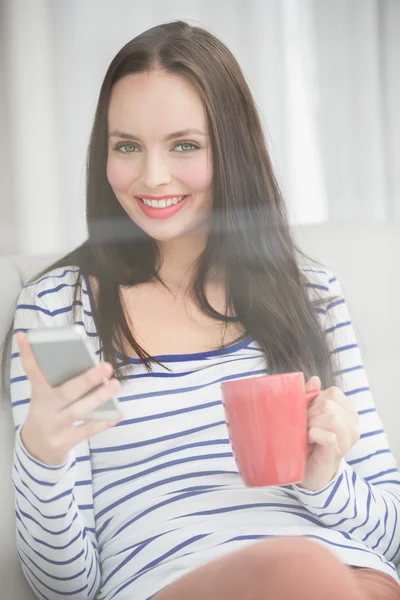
{"x": 188, "y": 277}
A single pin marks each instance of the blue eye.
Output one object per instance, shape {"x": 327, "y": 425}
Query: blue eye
{"x": 187, "y": 147}
{"x": 125, "y": 148}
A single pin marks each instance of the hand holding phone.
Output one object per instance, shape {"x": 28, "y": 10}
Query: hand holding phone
{"x": 61, "y": 416}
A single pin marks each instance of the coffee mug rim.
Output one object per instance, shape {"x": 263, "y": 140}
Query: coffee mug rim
{"x": 266, "y": 376}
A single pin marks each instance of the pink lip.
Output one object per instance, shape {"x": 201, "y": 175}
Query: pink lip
{"x": 160, "y": 213}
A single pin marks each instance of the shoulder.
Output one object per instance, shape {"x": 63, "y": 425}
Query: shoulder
{"x": 321, "y": 279}
{"x": 53, "y": 289}
{"x": 316, "y": 277}
{"x": 324, "y": 290}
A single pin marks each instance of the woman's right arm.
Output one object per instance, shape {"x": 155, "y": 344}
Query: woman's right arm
{"x": 57, "y": 549}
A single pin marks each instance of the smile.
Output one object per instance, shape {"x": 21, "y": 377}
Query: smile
{"x": 163, "y": 208}
{"x": 164, "y": 203}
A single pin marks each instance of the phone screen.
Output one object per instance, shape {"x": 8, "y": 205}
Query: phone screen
{"x": 62, "y": 360}
{"x": 63, "y": 354}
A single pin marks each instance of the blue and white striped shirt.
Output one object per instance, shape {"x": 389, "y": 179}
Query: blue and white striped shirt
{"x": 139, "y": 505}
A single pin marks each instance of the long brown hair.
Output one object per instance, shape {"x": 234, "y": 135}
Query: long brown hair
{"x": 250, "y": 238}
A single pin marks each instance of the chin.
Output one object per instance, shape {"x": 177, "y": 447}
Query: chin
{"x": 176, "y": 227}
{"x": 168, "y": 234}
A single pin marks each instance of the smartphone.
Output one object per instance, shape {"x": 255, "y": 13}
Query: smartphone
{"x": 63, "y": 353}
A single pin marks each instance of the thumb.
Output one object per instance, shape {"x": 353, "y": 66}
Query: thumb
{"x": 314, "y": 383}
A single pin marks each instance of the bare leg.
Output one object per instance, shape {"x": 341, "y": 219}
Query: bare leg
{"x": 290, "y": 568}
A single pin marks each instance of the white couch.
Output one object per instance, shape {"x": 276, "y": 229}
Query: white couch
{"x": 366, "y": 260}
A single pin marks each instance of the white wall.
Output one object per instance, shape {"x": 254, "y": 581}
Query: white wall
{"x": 8, "y": 242}
{"x": 319, "y": 71}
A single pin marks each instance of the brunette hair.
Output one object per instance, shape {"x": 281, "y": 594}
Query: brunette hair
{"x": 250, "y": 238}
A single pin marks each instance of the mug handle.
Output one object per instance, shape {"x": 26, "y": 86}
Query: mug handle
{"x": 311, "y": 395}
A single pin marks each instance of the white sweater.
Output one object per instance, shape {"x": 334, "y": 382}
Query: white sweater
{"x": 136, "y": 507}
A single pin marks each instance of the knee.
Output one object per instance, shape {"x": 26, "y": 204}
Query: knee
{"x": 293, "y": 567}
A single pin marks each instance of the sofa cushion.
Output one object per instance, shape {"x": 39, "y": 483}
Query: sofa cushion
{"x": 11, "y": 286}
{"x": 14, "y": 271}
{"x": 363, "y": 257}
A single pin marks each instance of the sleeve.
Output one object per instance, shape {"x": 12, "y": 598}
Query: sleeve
{"x": 364, "y": 497}
{"x": 56, "y": 539}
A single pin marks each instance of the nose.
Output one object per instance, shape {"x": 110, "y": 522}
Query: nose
{"x": 155, "y": 170}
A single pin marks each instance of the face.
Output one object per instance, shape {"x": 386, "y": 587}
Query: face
{"x": 159, "y": 157}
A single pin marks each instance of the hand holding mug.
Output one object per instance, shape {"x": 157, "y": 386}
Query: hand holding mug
{"x": 267, "y": 424}
{"x": 285, "y": 432}
{"x": 332, "y": 430}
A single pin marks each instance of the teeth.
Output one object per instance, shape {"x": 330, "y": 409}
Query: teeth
{"x": 163, "y": 203}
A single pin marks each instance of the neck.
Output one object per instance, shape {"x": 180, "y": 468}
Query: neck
{"x": 178, "y": 258}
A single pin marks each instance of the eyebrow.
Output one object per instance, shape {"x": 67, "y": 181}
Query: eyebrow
{"x": 170, "y": 136}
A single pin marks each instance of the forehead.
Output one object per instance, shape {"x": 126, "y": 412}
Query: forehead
{"x": 153, "y": 104}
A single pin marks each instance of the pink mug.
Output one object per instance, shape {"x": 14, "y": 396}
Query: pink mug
{"x": 267, "y": 423}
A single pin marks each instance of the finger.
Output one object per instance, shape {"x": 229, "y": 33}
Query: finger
{"x": 336, "y": 395}
{"x": 341, "y": 423}
{"x": 314, "y": 383}
{"x": 324, "y": 406}
{"x": 80, "y": 409}
{"x": 29, "y": 363}
{"x": 324, "y": 438}
{"x": 91, "y": 428}
{"x": 335, "y": 420}
{"x": 79, "y": 386}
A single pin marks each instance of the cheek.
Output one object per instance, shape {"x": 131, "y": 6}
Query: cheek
{"x": 120, "y": 174}
{"x": 197, "y": 174}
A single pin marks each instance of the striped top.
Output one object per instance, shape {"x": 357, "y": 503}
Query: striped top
{"x": 136, "y": 507}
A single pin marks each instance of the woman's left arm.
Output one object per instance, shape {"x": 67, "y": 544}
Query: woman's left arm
{"x": 352, "y": 482}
